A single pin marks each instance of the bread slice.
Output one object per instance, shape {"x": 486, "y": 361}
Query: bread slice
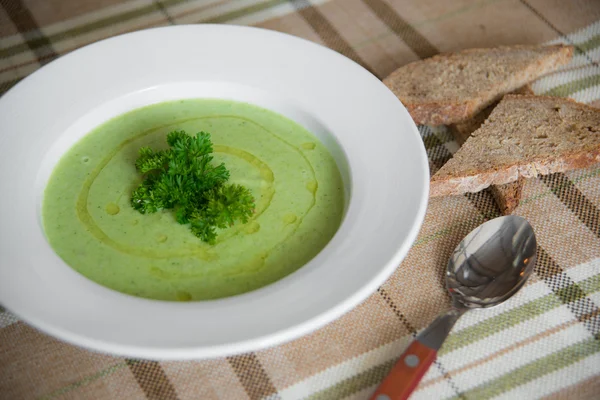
{"x": 453, "y": 87}
{"x": 507, "y": 196}
{"x": 462, "y": 130}
{"x": 525, "y": 136}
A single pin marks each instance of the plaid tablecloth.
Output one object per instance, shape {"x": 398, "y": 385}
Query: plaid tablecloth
{"x": 543, "y": 343}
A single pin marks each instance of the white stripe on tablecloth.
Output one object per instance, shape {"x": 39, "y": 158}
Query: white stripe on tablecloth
{"x": 505, "y": 363}
{"x": 442, "y": 390}
{"x": 555, "y": 381}
{"x": 7, "y": 318}
{"x": 580, "y": 60}
{"x": 595, "y": 297}
{"x": 551, "y": 81}
{"x": 221, "y": 9}
{"x": 210, "y": 8}
{"x": 12, "y": 40}
{"x": 261, "y": 16}
{"x": 584, "y": 271}
{"x": 581, "y": 36}
{"x": 497, "y": 341}
{"x": 206, "y": 13}
{"x": 273, "y": 12}
{"x": 592, "y": 268}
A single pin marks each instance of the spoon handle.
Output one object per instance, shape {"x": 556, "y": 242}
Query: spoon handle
{"x": 407, "y": 373}
{"x": 416, "y": 359}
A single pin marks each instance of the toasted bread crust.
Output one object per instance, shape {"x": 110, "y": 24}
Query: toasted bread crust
{"x": 439, "y": 113}
{"x": 480, "y": 181}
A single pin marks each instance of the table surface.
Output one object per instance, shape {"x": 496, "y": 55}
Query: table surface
{"x": 543, "y": 343}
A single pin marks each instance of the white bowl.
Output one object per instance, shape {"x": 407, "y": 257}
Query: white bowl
{"x": 369, "y": 132}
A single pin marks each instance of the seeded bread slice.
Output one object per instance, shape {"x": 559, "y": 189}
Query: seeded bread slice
{"x": 525, "y": 136}
{"x": 453, "y": 87}
{"x": 507, "y": 196}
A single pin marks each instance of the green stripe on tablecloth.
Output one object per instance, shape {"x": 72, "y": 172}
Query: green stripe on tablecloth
{"x": 589, "y": 44}
{"x": 574, "y": 86}
{"x": 243, "y": 12}
{"x": 536, "y": 369}
{"x": 591, "y": 284}
{"x": 516, "y": 316}
{"x": 85, "y": 381}
{"x": 82, "y": 29}
{"x": 354, "y": 384}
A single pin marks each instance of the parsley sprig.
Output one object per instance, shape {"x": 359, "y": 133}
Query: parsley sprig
{"x": 182, "y": 178}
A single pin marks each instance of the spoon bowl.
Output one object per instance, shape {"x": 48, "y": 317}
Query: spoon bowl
{"x": 491, "y": 263}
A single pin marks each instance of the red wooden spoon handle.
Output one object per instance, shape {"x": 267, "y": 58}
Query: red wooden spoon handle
{"x": 407, "y": 373}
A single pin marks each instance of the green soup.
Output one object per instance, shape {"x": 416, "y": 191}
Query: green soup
{"x": 90, "y": 223}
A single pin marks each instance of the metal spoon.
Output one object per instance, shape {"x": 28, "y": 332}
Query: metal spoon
{"x": 490, "y": 265}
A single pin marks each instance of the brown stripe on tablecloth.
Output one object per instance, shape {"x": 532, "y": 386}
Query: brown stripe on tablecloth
{"x": 405, "y": 31}
{"x": 575, "y": 200}
{"x": 555, "y": 29}
{"x": 152, "y": 379}
{"x": 397, "y": 311}
{"x": 164, "y": 11}
{"x": 485, "y": 203}
{"x": 327, "y": 32}
{"x": 568, "y": 292}
{"x": 252, "y": 376}
{"x": 22, "y": 18}
{"x": 584, "y": 390}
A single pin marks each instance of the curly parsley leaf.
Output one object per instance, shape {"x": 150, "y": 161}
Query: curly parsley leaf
{"x": 183, "y": 178}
